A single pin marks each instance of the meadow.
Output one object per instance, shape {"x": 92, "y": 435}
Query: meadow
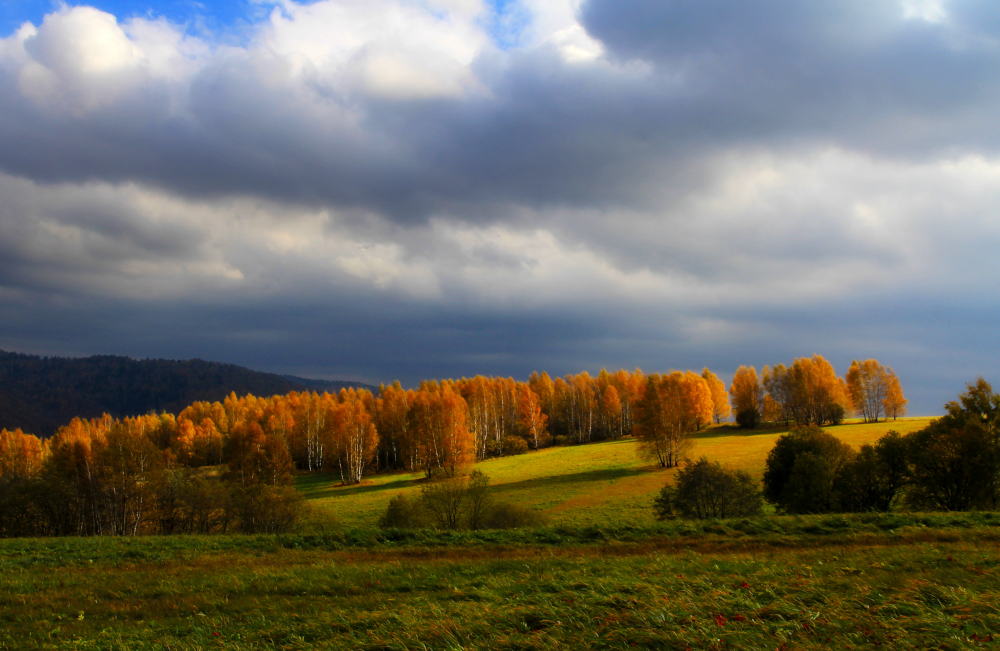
{"x": 602, "y": 574}
{"x": 876, "y": 581}
{"x": 600, "y": 484}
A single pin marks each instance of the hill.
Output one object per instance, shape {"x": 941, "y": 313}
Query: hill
{"x": 600, "y": 484}
{"x": 39, "y": 394}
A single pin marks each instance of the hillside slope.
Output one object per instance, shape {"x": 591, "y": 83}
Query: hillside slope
{"x": 39, "y": 394}
{"x": 599, "y": 484}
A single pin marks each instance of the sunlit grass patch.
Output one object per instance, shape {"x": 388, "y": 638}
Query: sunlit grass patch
{"x": 599, "y": 484}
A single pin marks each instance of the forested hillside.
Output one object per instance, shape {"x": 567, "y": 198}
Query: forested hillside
{"x": 39, "y": 394}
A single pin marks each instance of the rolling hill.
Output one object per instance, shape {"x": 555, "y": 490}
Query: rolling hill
{"x": 598, "y": 484}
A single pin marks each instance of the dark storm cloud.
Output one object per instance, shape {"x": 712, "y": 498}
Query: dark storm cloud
{"x": 771, "y": 74}
{"x": 384, "y": 340}
{"x": 731, "y": 182}
{"x": 856, "y": 72}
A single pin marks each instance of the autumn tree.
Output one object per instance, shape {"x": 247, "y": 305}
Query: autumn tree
{"x": 311, "y": 433}
{"x": 611, "y": 413}
{"x": 355, "y": 439}
{"x": 544, "y": 388}
{"x": 532, "y": 419}
{"x": 584, "y": 406}
{"x": 21, "y": 460}
{"x": 671, "y": 408}
{"x": 818, "y": 396}
{"x": 894, "y": 403}
{"x": 256, "y": 458}
{"x": 720, "y": 397}
{"x": 128, "y": 468}
{"x": 444, "y": 442}
{"x": 868, "y": 384}
{"x": 392, "y": 421}
{"x": 747, "y": 396}
{"x": 21, "y": 455}
{"x": 777, "y": 382}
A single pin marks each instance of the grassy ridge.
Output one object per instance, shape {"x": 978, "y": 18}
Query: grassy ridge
{"x": 601, "y": 484}
{"x": 816, "y": 582}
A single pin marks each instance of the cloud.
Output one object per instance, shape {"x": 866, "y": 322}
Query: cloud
{"x": 551, "y": 181}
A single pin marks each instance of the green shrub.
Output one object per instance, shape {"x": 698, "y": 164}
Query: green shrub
{"x": 403, "y": 513}
{"x": 708, "y": 490}
{"x": 748, "y": 418}
{"x": 266, "y": 509}
{"x": 507, "y": 446}
{"x": 513, "y": 445}
{"x": 480, "y": 499}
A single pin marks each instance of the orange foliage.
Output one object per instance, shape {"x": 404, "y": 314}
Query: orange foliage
{"x": 672, "y": 407}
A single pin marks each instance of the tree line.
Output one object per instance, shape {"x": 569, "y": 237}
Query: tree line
{"x": 810, "y": 392}
{"x": 225, "y": 465}
{"x": 953, "y": 464}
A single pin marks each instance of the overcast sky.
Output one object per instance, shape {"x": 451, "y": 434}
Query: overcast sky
{"x": 383, "y": 189}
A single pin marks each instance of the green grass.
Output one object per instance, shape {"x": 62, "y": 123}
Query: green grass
{"x": 602, "y": 575}
{"x": 894, "y": 582}
{"x": 600, "y": 484}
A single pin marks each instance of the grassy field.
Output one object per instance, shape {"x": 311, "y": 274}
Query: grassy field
{"x": 602, "y": 575}
{"x": 844, "y": 582}
{"x": 601, "y": 484}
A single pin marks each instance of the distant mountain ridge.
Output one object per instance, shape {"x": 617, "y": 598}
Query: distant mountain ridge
{"x": 40, "y": 394}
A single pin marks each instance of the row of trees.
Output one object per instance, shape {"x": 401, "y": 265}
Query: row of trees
{"x": 120, "y": 476}
{"x": 107, "y": 477}
{"x": 810, "y": 392}
{"x": 951, "y": 465}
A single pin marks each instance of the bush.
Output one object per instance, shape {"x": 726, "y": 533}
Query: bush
{"x": 445, "y": 502}
{"x": 479, "y": 499}
{"x": 512, "y": 516}
{"x": 801, "y": 468}
{"x": 461, "y": 503}
{"x": 19, "y": 514}
{"x": 748, "y": 418}
{"x": 513, "y": 445}
{"x": 509, "y": 446}
{"x": 708, "y": 490}
{"x": 189, "y": 503}
{"x": 835, "y": 413}
{"x": 266, "y": 509}
{"x": 403, "y": 513}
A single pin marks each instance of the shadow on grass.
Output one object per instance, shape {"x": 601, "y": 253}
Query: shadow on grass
{"x": 733, "y": 430}
{"x": 328, "y": 485}
{"x": 610, "y": 474}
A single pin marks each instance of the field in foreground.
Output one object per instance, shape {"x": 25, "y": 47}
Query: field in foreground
{"x": 890, "y": 582}
{"x": 600, "y": 484}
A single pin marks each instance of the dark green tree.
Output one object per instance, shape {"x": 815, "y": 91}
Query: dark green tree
{"x": 874, "y": 479}
{"x": 801, "y": 468}
{"x": 955, "y": 465}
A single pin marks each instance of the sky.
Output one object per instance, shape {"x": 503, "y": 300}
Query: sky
{"x": 406, "y": 189}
